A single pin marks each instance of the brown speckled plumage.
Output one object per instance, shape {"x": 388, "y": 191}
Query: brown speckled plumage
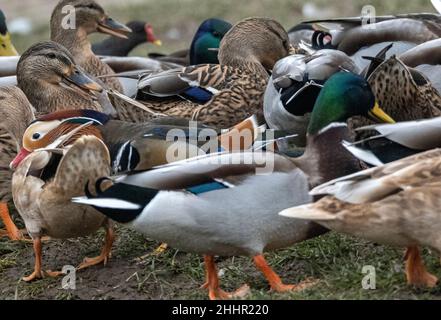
{"x": 247, "y": 51}
{"x": 402, "y": 93}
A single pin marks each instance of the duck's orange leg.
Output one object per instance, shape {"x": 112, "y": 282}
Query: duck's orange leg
{"x": 275, "y": 281}
{"x": 12, "y": 231}
{"x": 105, "y": 252}
{"x": 38, "y": 273}
{"x": 416, "y": 272}
{"x": 214, "y": 292}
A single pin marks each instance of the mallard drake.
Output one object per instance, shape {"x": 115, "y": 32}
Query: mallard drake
{"x": 42, "y": 186}
{"x": 219, "y": 192}
{"x": 15, "y": 113}
{"x": 90, "y": 18}
{"x": 52, "y": 81}
{"x": 6, "y": 46}
{"x": 221, "y": 95}
{"x": 294, "y": 86}
{"x": 393, "y": 204}
{"x": 141, "y": 32}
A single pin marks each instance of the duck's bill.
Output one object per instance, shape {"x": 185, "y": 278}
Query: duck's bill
{"x": 19, "y": 158}
{"x": 114, "y": 28}
{"x": 6, "y": 46}
{"x": 377, "y": 114}
{"x": 79, "y": 80}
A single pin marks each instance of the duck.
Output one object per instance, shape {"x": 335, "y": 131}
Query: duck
{"x": 15, "y": 113}
{"x": 52, "y": 81}
{"x": 223, "y": 94}
{"x": 218, "y": 192}
{"x": 361, "y": 36}
{"x": 90, "y": 18}
{"x": 393, "y": 204}
{"x": 293, "y": 88}
{"x": 204, "y": 47}
{"x": 141, "y": 32}
{"x": 42, "y": 186}
{"x": 6, "y": 46}
{"x": 135, "y": 146}
{"x": 414, "y": 98}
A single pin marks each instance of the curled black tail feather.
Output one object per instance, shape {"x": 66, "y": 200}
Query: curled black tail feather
{"x": 124, "y": 192}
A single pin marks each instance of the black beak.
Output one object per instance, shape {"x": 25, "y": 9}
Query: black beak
{"x": 114, "y": 28}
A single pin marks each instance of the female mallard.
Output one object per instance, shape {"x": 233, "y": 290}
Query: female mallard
{"x": 394, "y": 204}
{"x": 404, "y": 93}
{"x": 294, "y": 86}
{"x": 141, "y": 32}
{"x": 90, "y": 17}
{"x": 15, "y": 113}
{"x": 221, "y": 95}
{"x": 224, "y": 208}
{"x": 52, "y": 81}
{"x": 6, "y": 46}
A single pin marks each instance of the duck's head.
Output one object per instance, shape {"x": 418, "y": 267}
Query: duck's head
{"x": 259, "y": 40}
{"x": 57, "y": 129}
{"x": 50, "y": 64}
{"x": 89, "y": 17}
{"x": 6, "y": 46}
{"x": 143, "y": 32}
{"x": 205, "y": 45}
{"x": 343, "y": 96}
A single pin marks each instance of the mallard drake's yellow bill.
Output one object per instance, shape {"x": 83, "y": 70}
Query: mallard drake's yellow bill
{"x": 114, "y": 28}
{"x": 6, "y": 46}
{"x": 377, "y": 114}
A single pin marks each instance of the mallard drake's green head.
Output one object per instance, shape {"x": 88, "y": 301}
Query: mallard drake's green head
{"x": 89, "y": 17}
{"x": 6, "y": 46}
{"x": 206, "y": 42}
{"x": 259, "y": 40}
{"x": 343, "y": 96}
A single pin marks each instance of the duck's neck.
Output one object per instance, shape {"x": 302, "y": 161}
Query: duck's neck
{"x": 76, "y": 41}
{"x": 325, "y": 158}
{"x": 250, "y": 64}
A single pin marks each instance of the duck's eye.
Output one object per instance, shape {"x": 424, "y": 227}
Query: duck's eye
{"x": 36, "y": 136}
{"x": 216, "y": 34}
{"x": 51, "y": 55}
